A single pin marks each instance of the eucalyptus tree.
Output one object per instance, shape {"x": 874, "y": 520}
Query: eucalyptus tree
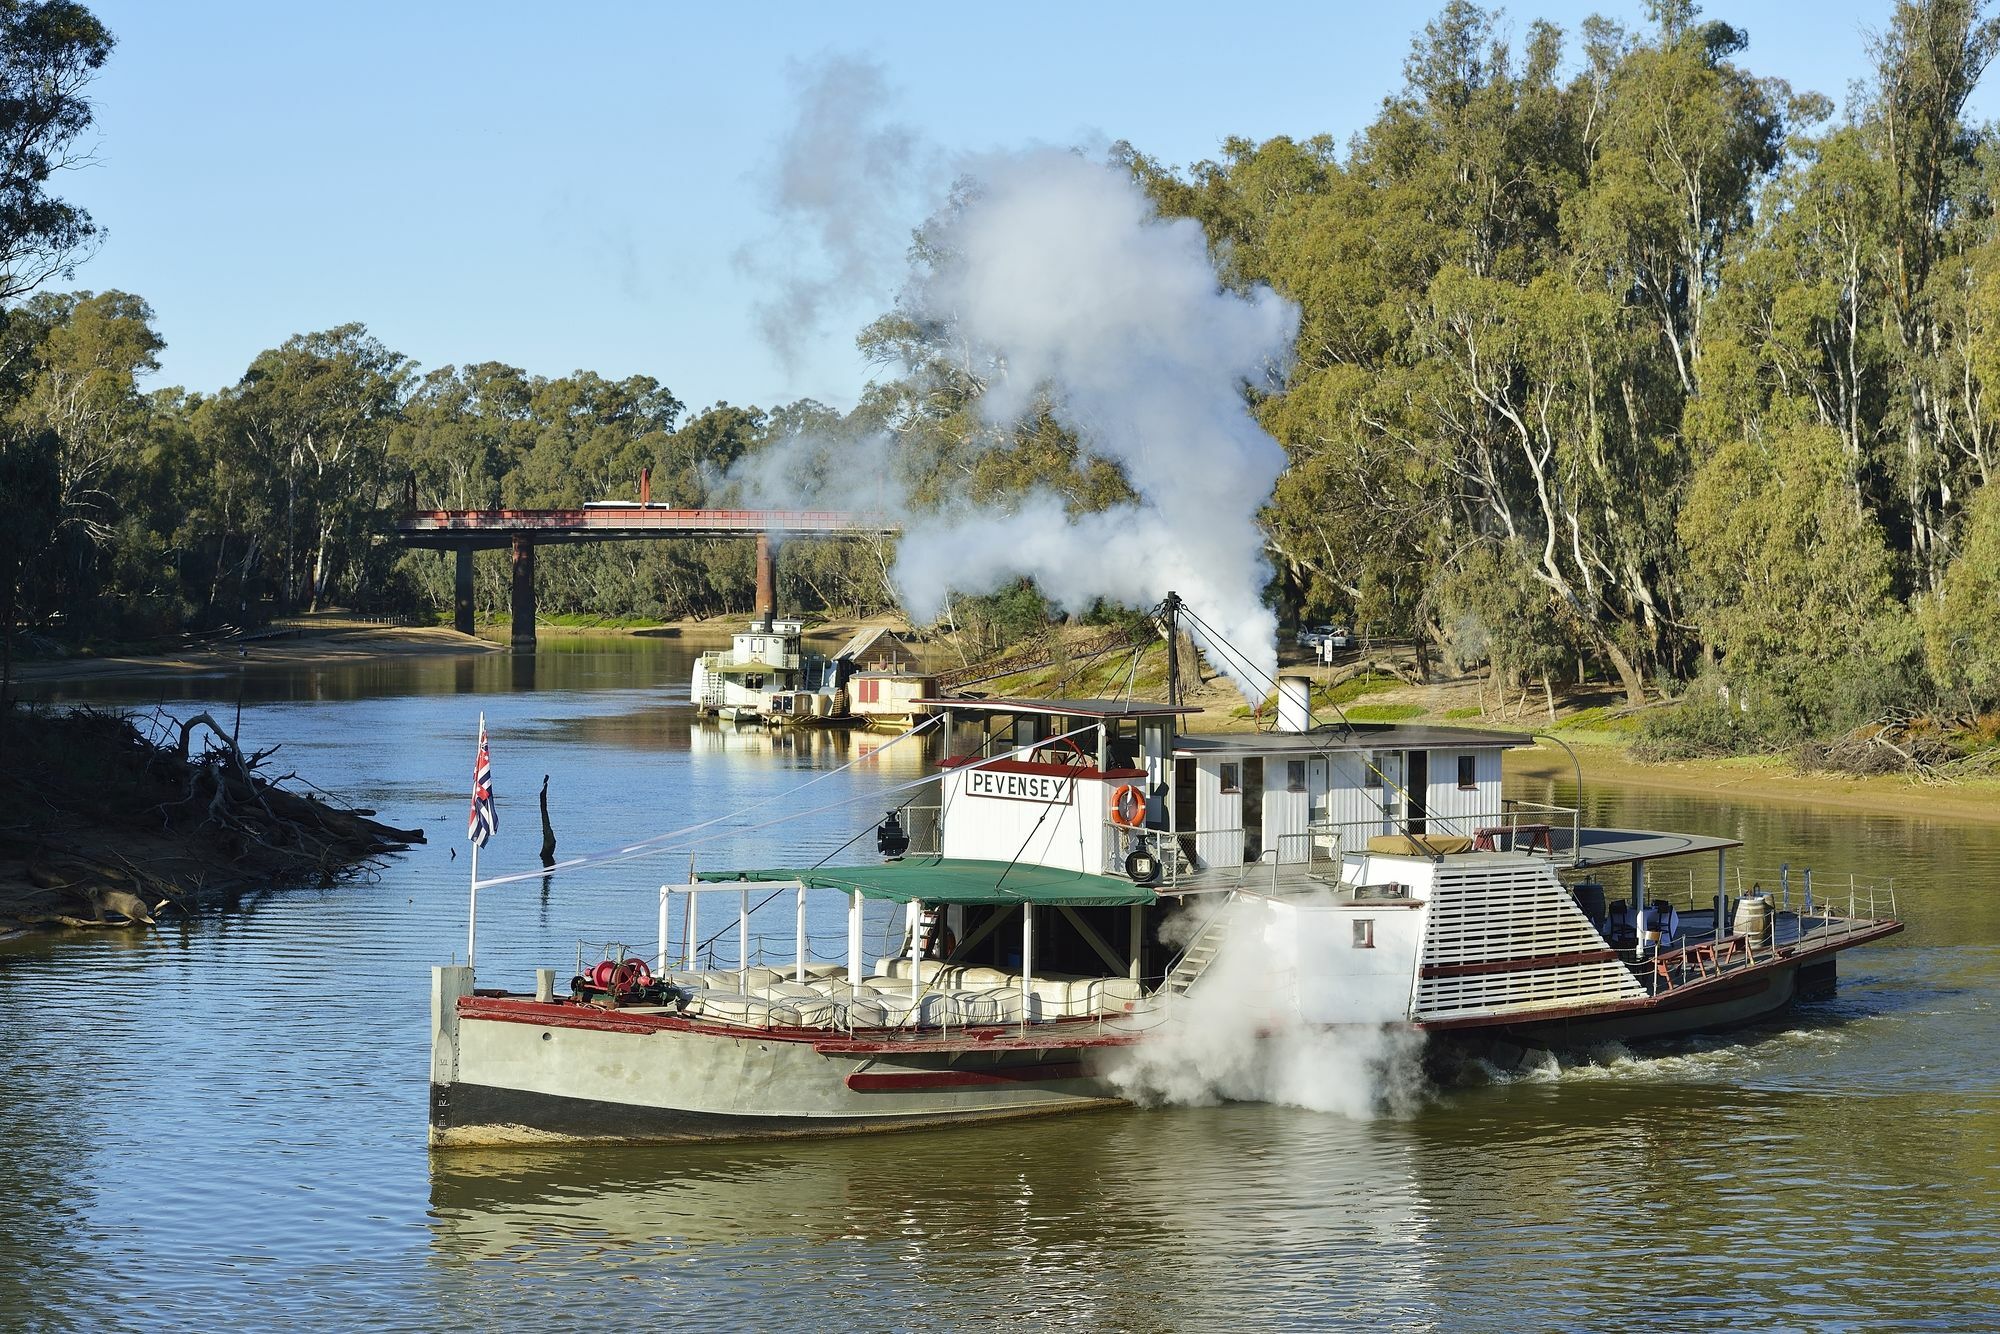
{"x": 309, "y": 423}
{"x": 49, "y": 52}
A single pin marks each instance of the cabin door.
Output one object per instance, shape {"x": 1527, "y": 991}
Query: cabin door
{"x": 1319, "y": 807}
{"x": 1386, "y": 783}
{"x": 1185, "y": 807}
{"x": 1253, "y": 808}
{"x": 1418, "y": 785}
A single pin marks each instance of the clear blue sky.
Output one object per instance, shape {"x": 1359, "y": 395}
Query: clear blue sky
{"x": 564, "y": 187}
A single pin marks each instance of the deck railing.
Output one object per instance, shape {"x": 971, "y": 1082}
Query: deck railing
{"x": 1518, "y": 826}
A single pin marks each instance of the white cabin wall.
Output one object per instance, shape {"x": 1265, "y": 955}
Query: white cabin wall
{"x": 1286, "y": 813}
{"x": 1353, "y": 803}
{"x": 1340, "y": 983}
{"x": 1217, "y": 810}
{"x": 1454, "y": 810}
{"x": 1068, "y": 835}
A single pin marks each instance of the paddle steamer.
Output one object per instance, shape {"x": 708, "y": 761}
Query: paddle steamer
{"x": 1070, "y": 889}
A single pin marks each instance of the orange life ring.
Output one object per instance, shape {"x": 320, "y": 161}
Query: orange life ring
{"x": 1128, "y": 807}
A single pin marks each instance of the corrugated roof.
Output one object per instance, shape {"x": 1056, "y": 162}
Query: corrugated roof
{"x": 956, "y": 880}
{"x": 1363, "y": 736}
{"x": 1070, "y": 708}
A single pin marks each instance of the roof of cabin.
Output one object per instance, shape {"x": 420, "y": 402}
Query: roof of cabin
{"x": 1070, "y": 708}
{"x": 1618, "y": 847}
{"x": 1358, "y": 736}
{"x": 867, "y": 637}
{"x": 956, "y": 880}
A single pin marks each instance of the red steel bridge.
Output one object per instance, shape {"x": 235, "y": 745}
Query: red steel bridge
{"x": 467, "y": 531}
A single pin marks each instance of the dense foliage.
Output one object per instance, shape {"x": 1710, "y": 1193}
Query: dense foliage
{"x": 1624, "y": 353}
{"x": 1615, "y": 357}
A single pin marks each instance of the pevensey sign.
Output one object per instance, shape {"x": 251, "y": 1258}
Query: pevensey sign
{"x": 1048, "y": 789}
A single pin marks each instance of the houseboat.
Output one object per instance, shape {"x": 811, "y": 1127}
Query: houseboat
{"x": 765, "y": 674}
{"x": 882, "y": 679}
{"x": 1079, "y": 878}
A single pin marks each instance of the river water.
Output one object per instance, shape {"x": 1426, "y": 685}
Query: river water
{"x": 223, "y": 1120}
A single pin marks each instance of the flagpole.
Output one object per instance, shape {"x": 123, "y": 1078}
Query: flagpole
{"x": 472, "y": 895}
{"x": 472, "y": 908}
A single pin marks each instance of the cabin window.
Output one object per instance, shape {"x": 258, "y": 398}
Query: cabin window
{"x": 1295, "y": 775}
{"x": 1466, "y": 777}
{"x": 1364, "y": 933}
{"x": 1231, "y": 781}
{"x": 753, "y": 682}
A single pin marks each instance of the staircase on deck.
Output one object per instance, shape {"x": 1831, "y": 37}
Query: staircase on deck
{"x": 1199, "y": 954}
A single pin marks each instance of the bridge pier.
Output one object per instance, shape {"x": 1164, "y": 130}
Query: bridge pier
{"x": 524, "y": 593}
{"x": 767, "y": 580}
{"x": 461, "y": 596}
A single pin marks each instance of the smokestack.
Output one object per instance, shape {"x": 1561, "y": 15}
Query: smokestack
{"x": 1294, "y": 704}
{"x": 767, "y": 581}
{"x": 645, "y": 486}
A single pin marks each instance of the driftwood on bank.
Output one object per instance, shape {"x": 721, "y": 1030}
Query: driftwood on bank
{"x": 108, "y": 825}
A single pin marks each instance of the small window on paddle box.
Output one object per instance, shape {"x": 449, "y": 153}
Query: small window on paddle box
{"x": 1467, "y": 779}
{"x": 1364, "y": 933}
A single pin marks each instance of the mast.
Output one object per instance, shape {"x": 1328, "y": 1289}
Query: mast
{"x": 1172, "y": 608}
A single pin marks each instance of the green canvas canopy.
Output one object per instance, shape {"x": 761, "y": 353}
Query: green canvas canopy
{"x": 956, "y": 880}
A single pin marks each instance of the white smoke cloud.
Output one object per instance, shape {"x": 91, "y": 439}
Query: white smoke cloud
{"x": 1066, "y": 288}
{"x": 1238, "y": 1037}
{"x": 846, "y": 185}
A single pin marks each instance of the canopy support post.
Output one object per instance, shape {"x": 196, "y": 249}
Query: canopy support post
{"x": 743, "y": 941}
{"x": 799, "y": 933}
{"x": 915, "y": 912}
{"x": 854, "y": 938}
{"x": 667, "y": 899}
{"x": 1721, "y": 892}
{"x": 1027, "y": 962}
{"x": 1638, "y": 910}
{"x": 1138, "y": 939}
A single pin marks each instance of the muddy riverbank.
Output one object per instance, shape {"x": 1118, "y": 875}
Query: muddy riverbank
{"x": 114, "y": 821}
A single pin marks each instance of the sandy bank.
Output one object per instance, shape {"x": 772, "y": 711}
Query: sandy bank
{"x": 1768, "y": 779}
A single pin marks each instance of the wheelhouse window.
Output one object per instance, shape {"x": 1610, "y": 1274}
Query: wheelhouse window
{"x": 1232, "y": 780}
{"x": 1467, "y": 778}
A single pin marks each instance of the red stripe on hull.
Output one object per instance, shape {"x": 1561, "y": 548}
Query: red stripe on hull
{"x": 962, "y": 1079}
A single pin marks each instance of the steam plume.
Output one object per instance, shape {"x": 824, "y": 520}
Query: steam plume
{"x": 1065, "y": 287}
{"x": 1239, "y": 1037}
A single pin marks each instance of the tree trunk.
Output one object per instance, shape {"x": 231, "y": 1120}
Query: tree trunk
{"x": 1628, "y": 675}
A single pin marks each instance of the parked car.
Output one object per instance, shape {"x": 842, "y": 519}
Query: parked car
{"x": 1313, "y": 636}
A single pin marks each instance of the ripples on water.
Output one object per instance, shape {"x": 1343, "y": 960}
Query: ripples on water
{"x": 223, "y": 1122}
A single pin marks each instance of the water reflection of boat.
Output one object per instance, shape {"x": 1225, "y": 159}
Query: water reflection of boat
{"x": 1104, "y": 882}
{"x": 1198, "y": 1200}
{"x": 809, "y": 745}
